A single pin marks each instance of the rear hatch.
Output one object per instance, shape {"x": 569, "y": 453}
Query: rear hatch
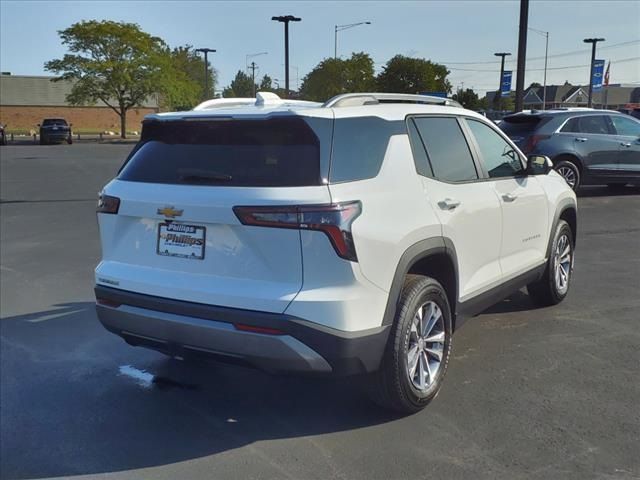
{"x": 175, "y": 233}
{"x": 522, "y": 127}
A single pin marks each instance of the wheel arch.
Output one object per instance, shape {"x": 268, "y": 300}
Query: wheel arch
{"x": 568, "y": 212}
{"x": 433, "y": 257}
{"x": 570, "y": 157}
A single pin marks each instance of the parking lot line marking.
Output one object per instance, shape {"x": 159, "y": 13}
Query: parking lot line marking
{"x": 143, "y": 378}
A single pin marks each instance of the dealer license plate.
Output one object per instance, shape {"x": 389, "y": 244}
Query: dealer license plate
{"x": 180, "y": 240}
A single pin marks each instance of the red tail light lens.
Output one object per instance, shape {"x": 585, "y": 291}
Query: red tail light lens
{"x": 532, "y": 141}
{"x": 334, "y": 220}
{"x": 108, "y": 204}
{"x": 253, "y": 329}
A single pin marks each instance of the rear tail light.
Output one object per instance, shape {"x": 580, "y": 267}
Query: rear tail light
{"x": 334, "y": 220}
{"x": 108, "y": 204}
{"x": 107, "y": 303}
{"x": 532, "y": 141}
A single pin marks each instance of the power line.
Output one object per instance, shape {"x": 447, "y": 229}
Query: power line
{"x": 568, "y": 67}
{"x": 557, "y": 55}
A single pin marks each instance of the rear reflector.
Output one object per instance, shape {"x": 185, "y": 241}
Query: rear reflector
{"x": 107, "y": 303}
{"x": 333, "y": 219}
{"x": 264, "y": 330}
{"x": 108, "y": 204}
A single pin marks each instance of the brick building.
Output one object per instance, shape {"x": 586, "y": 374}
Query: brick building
{"x": 26, "y": 100}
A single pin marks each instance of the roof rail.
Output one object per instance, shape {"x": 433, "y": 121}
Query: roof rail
{"x": 262, "y": 99}
{"x": 360, "y": 99}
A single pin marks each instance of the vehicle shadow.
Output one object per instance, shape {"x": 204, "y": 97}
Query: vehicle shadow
{"x": 518, "y": 302}
{"x": 604, "y": 191}
{"x": 78, "y": 400}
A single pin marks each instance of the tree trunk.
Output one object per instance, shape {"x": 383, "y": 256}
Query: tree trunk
{"x": 123, "y": 123}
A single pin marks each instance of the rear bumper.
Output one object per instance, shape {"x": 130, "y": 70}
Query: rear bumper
{"x": 192, "y": 329}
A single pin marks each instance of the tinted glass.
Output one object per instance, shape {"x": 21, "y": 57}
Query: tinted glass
{"x": 47, "y": 122}
{"x": 260, "y": 153}
{"x": 419, "y": 153}
{"x": 500, "y": 159}
{"x": 587, "y": 124}
{"x": 359, "y": 147}
{"x": 626, "y": 126}
{"x": 447, "y": 149}
{"x": 520, "y": 126}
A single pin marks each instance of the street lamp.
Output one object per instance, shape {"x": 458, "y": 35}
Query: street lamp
{"x": 499, "y": 94}
{"x": 251, "y": 55}
{"x": 206, "y": 51}
{"x": 593, "y": 42}
{"x": 546, "y": 54}
{"x": 339, "y": 28}
{"x": 286, "y": 19}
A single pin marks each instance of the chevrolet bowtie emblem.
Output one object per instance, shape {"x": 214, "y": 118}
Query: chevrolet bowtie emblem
{"x": 169, "y": 212}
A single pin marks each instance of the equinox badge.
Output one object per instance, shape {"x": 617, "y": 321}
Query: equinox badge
{"x": 169, "y": 212}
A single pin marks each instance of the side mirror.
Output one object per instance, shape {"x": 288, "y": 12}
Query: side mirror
{"x": 539, "y": 165}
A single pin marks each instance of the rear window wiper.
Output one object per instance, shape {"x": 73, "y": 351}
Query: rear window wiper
{"x": 209, "y": 178}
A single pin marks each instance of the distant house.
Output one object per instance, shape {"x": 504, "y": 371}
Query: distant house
{"x": 558, "y": 96}
{"x": 26, "y": 100}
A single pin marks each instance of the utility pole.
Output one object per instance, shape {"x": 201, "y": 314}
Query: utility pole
{"x": 496, "y": 100}
{"x": 286, "y": 19}
{"x": 522, "y": 53}
{"x": 206, "y": 69}
{"x": 253, "y": 67}
{"x": 339, "y": 28}
{"x": 593, "y": 42}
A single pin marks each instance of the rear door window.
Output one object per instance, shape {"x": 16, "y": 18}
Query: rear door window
{"x": 522, "y": 126}
{"x": 276, "y": 152}
{"x": 447, "y": 149}
{"x": 587, "y": 124}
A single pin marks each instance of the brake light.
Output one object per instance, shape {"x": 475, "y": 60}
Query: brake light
{"x": 532, "y": 141}
{"x": 333, "y": 219}
{"x": 108, "y": 204}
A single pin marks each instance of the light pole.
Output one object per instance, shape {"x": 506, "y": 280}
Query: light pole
{"x": 546, "y": 55}
{"x": 499, "y": 93}
{"x": 253, "y": 67}
{"x": 339, "y": 28}
{"x": 593, "y": 42}
{"x": 206, "y": 51}
{"x": 522, "y": 53}
{"x": 286, "y": 19}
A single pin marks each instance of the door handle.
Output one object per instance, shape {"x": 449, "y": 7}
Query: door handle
{"x": 625, "y": 144}
{"x": 581, "y": 139}
{"x": 509, "y": 197}
{"x": 448, "y": 204}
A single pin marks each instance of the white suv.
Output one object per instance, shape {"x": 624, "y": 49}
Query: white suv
{"x": 351, "y": 237}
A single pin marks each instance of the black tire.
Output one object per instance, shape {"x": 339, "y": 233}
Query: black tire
{"x": 569, "y": 170}
{"x": 391, "y": 386}
{"x": 546, "y": 292}
{"x": 69, "y": 140}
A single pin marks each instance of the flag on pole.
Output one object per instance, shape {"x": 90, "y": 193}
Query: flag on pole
{"x": 606, "y": 74}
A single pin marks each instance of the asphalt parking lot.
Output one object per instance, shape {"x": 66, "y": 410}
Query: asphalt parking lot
{"x": 530, "y": 393}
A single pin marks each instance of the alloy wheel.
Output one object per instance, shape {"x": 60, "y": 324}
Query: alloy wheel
{"x": 426, "y": 346}
{"x": 562, "y": 264}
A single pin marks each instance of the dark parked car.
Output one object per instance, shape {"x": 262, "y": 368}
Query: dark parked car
{"x": 586, "y": 146}
{"x": 3, "y": 134}
{"x": 55, "y": 130}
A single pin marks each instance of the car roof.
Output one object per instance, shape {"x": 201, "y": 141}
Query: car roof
{"x": 574, "y": 111}
{"x": 386, "y": 106}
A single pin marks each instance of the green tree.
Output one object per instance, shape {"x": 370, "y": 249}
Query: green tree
{"x": 468, "y": 98}
{"x": 266, "y": 84}
{"x": 413, "y": 75}
{"x": 185, "y": 60}
{"x": 241, "y": 86}
{"x": 116, "y": 63}
{"x": 335, "y": 76}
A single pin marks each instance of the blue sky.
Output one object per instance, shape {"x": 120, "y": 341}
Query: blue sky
{"x": 447, "y": 32}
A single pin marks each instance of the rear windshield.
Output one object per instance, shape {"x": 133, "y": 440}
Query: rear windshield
{"x": 53, "y": 121}
{"x": 277, "y": 152}
{"x": 521, "y": 125}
